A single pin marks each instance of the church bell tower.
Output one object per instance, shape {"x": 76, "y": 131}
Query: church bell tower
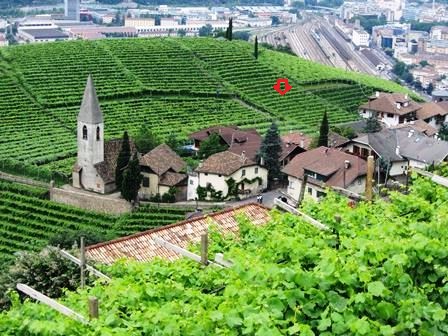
{"x": 90, "y": 138}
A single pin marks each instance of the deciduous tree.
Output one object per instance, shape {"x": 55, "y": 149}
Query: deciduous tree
{"x": 206, "y": 30}
{"x": 211, "y": 146}
{"x": 46, "y": 271}
{"x": 145, "y": 140}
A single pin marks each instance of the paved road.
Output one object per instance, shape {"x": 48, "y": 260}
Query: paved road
{"x": 268, "y": 199}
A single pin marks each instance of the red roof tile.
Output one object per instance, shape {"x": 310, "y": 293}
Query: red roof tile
{"x": 142, "y": 247}
{"x": 298, "y": 139}
{"x": 328, "y": 162}
{"x": 224, "y": 163}
{"x": 161, "y": 159}
{"x": 387, "y": 103}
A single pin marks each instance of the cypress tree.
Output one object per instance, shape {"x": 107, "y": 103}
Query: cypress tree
{"x": 230, "y": 33}
{"x": 323, "y": 134}
{"x": 270, "y": 151}
{"x": 122, "y": 161}
{"x": 132, "y": 178}
{"x": 256, "y": 47}
{"x": 227, "y": 33}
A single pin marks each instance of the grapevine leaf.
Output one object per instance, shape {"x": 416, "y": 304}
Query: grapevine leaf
{"x": 385, "y": 310}
{"x": 376, "y": 288}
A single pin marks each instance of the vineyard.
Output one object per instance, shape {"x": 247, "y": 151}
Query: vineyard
{"x": 173, "y": 85}
{"x": 28, "y": 220}
{"x": 380, "y": 271}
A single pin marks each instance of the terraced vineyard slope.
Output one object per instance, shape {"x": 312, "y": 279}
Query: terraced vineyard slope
{"x": 173, "y": 85}
{"x": 28, "y": 220}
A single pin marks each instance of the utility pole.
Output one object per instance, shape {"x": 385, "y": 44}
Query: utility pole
{"x": 369, "y": 178}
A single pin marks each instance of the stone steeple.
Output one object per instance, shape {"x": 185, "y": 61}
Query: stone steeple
{"x": 90, "y": 111}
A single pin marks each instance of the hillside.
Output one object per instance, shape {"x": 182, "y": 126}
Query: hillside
{"x": 172, "y": 85}
{"x": 386, "y": 274}
{"x": 28, "y": 220}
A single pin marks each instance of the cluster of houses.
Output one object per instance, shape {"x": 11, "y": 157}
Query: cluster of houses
{"x": 408, "y": 139}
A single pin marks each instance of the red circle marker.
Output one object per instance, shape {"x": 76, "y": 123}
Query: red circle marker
{"x": 278, "y": 86}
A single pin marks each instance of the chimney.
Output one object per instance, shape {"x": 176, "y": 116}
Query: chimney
{"x": 302, "y": 143}
{"x": 243, "y": 156}
{"x": 410, "y": 133}
{"x": 406, "y": 96}
{"x": 261, "y": 161}
{"x": 397, "y": 150}
{"x": 346, "y": 164}
{"x": 398, "y": 106}
{"x": 377, "y": 94}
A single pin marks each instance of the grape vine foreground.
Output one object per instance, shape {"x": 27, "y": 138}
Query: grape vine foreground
{"x": 387, "y": 276}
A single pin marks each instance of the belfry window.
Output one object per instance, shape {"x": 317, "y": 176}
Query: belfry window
{"x": 97, "y": 134}
{"x": 84, "y": 132}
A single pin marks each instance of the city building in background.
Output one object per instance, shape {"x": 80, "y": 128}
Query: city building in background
{"x": 72, "y": 9}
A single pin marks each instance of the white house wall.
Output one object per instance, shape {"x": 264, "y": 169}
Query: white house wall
{"x": 398, "y": 168}
{"x": 153, "y": 189}
{"x": 219, "y": 181}
{"x": 193, "y": 183}
{"x": 294, "y": 185}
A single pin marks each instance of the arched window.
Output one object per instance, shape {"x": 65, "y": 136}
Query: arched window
{"x": 98, "y": 134}
{"x": 84, "y": 132}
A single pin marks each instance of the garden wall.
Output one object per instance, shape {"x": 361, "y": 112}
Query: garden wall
{"x": 89, "y": 201}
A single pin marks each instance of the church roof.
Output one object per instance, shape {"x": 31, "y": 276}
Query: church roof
{"x": 90, "y": 111}
{"x": 161, "y": 159}
{"x": 106, "y": 168}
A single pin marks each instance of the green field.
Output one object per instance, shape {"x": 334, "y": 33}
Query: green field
{"x": 173, "y": 85}
{"x": 28, "y": 220}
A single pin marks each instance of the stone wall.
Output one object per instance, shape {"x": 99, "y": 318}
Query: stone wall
{"x": 90, "y": 201}
{"x": 23, "y": 180}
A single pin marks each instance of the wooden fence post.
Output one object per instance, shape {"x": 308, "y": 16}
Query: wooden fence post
{"x": 302, "y": 190}
{"x": 204, "y": 249}
{"x": 83, "y": 262}
{"x": 93, "y": 307}
{"x": 338, "y": 219}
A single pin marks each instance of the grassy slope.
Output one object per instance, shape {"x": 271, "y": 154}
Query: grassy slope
{"x": 174, "y": 85}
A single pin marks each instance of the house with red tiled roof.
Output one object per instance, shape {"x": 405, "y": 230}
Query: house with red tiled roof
{"x": 325, "y": 167}
{"x": 434, "y": 114}
{"x": 231, "y": 136}
{"x": 390, "y": 108}
{"x": 224, "y": 169}
{"x": 162, "y": 170}
{"x": 249, "y": 141}
{"x": 142, "y": 246}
